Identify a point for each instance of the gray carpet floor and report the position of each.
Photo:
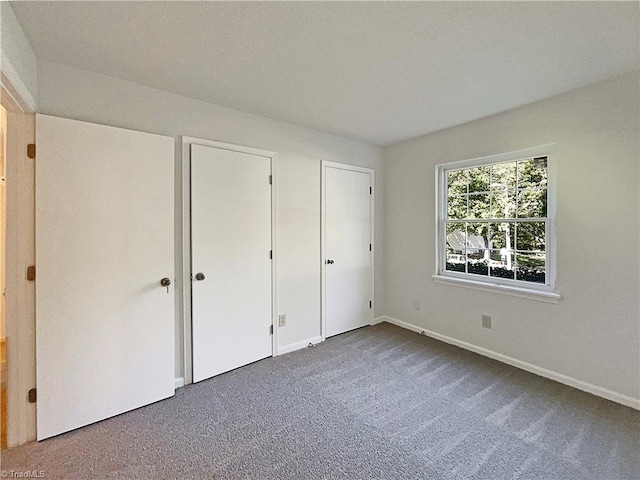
(376, 403)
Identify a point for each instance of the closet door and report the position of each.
(105, 324)
(231, 260)
(348, 247)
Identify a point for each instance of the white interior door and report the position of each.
(104, 240)
(231, 265)
(348, 248)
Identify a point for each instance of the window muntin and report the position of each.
(494, 224)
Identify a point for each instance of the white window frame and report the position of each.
(547, 292)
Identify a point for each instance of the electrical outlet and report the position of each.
(486, 321)
(417, 305)
(282, 320)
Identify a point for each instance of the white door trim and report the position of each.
(185, 241)
(324, 165)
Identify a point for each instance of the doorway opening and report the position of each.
(17, 271)
(3, 305)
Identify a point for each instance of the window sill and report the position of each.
(528, 293)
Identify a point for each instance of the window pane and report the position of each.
(532, 173)
(477, 236)
(503, 203)
(530, 267)
(477, 253)
(531, 236)
(532, 203)
(479, 179)
(455, 261)
(456, 237)
(457, 181)
(501, 264)
(476, 262)
(457, 206)
(502, 235)
(503, 175)
(479, 206)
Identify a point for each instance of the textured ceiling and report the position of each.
(380, 72)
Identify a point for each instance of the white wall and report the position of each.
(593, 335)
(17, 60)
(81, 95)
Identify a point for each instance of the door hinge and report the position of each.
(370, 190)
(369, 247)
(270, 329)
(31, 150)
(32, 395)
(270, 254)
(370, 304)
(31, 273)
(270, 179)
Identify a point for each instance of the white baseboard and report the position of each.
(179, 382)
(292, 347)
(558, 377)
(379, 319)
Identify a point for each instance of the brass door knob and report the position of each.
(200, 276)
(165, 282)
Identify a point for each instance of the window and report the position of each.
(495, 223)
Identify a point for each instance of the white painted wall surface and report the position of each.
(593, 335)
(17, 59)
(82, 95)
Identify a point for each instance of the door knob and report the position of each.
(200, 276)
(165, 282)
(330, 262)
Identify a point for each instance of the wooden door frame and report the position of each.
(184, 242)
(323, 230)
(20, 252)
